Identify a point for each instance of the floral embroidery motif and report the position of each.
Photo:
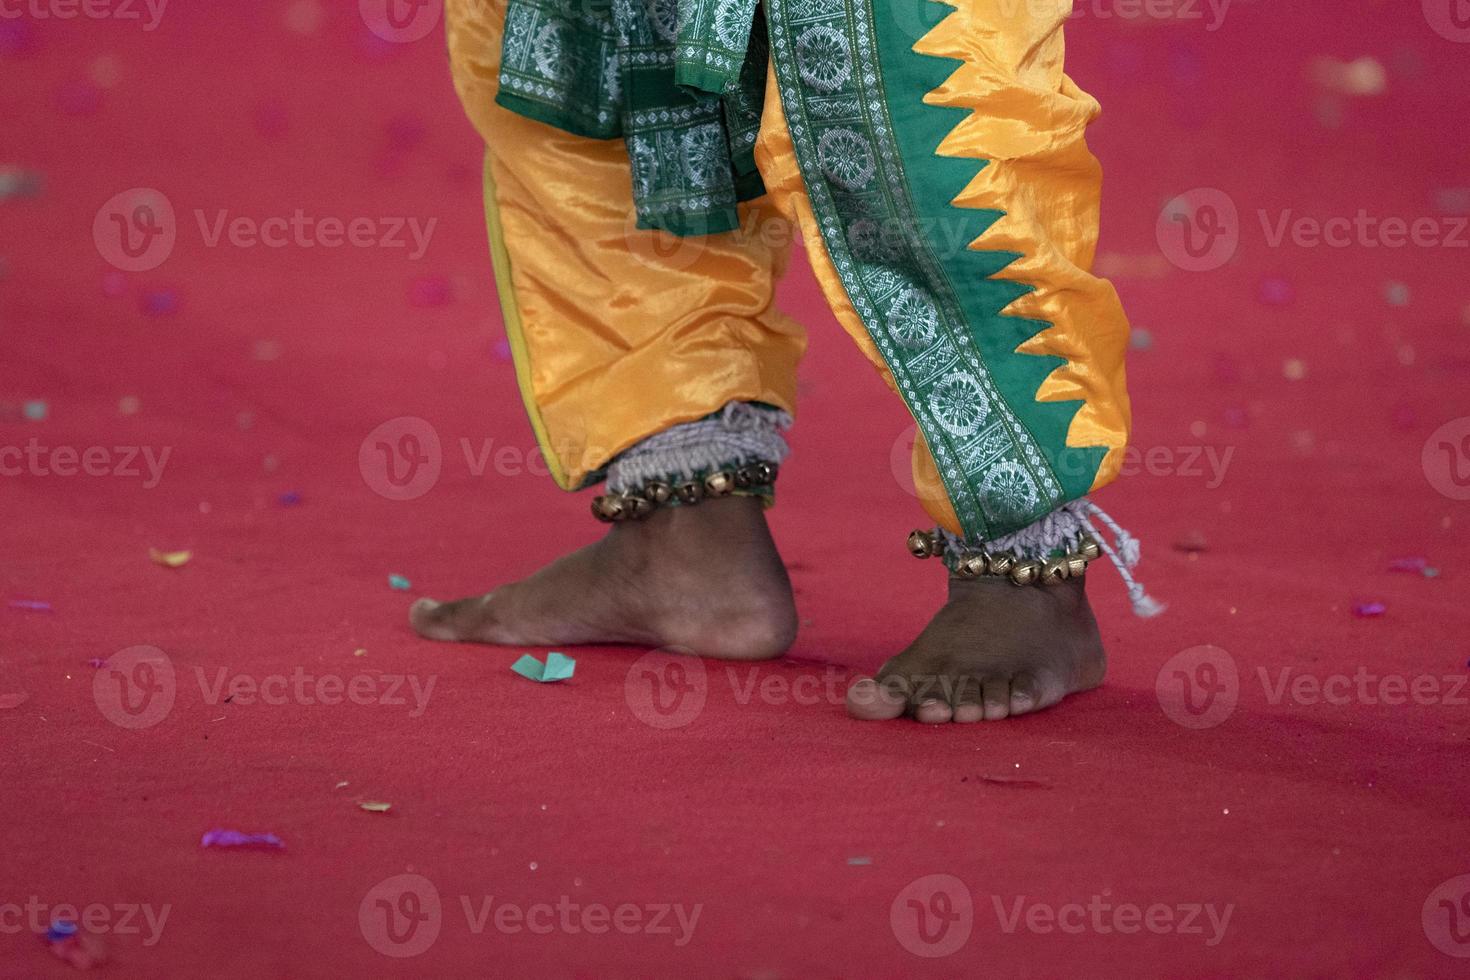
(846, 158)
(825, 62)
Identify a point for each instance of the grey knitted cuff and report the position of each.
(739, 433)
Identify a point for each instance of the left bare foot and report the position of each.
(994, 650)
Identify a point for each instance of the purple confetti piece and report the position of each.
(160, 302)
(96, 663)
(234, 838)
(34, 605)
(500, 350)
(1416, 565)
(428, 291)
(290, 498)
(406, 132)
(79, 99)
(16, 37)
(1369, 610)
(1276, 291)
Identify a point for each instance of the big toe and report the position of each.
(870, 701)
(442, 620)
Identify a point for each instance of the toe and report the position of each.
(933, 712)
(871, 701)
(968, 708)
(997, 698)
(969, 713)
(1025, 695)
(427, 619)
(445, 620)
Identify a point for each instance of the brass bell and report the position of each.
(608, 508)
(636, 508)
(971, 567)
(689, 493)
(1076, 566)
(1054, 571)
(760, 474)
(921, 544)
(1026, 572)
(720, 484)
(1089, 548)
(657, 492)
(1002, 562)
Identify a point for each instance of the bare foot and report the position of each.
(993, 651)
(705, 577)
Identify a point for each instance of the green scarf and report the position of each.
(680, 81)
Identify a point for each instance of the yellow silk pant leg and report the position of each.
(1028, 120)
(617, 333)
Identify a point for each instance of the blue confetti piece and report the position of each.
(399, 582)
(36, 410)
(1396, 293)
(558, 667)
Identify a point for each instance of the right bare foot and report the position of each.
(705, 577)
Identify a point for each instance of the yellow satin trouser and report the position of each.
(618, 333)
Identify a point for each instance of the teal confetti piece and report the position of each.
(399, 582)
(558, 667)
(36, 410)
